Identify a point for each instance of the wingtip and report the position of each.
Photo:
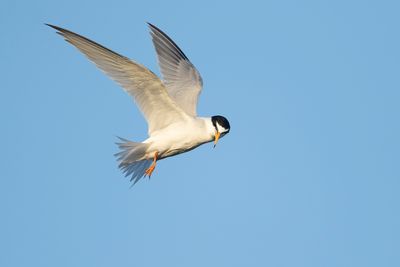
(52, 26)
(59, 30)
(153, 27)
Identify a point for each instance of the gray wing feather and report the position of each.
(181, 78)
(143, 85)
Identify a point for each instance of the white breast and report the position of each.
(179, 137)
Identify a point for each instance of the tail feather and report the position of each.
(132, 159)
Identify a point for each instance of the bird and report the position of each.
(168, 104)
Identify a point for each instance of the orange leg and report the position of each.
(150, 170)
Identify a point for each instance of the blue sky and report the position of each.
(308, 175)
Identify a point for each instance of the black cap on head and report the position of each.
(222, 121)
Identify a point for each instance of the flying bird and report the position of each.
(168, 105)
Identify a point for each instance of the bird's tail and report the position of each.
(132, 159)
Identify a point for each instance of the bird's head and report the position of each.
(221, 126)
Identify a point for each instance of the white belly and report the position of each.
(177, 138)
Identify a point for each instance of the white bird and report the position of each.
(169, 106)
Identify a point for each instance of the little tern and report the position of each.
(168, 105)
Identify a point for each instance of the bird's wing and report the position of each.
(181, 78)
(143, 85)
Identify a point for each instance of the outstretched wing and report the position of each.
(143, 85)
(181, 78)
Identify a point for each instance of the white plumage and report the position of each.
(169, 106)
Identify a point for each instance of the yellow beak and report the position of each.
(217, 135)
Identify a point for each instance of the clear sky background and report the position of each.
(308, 176)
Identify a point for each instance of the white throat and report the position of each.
(209, 126)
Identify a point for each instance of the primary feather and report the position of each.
(181, 78)
(143, 85)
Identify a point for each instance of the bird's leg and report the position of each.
(150, 170)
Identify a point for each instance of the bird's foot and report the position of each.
(150, 170)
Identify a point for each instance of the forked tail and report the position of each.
(132, 159)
